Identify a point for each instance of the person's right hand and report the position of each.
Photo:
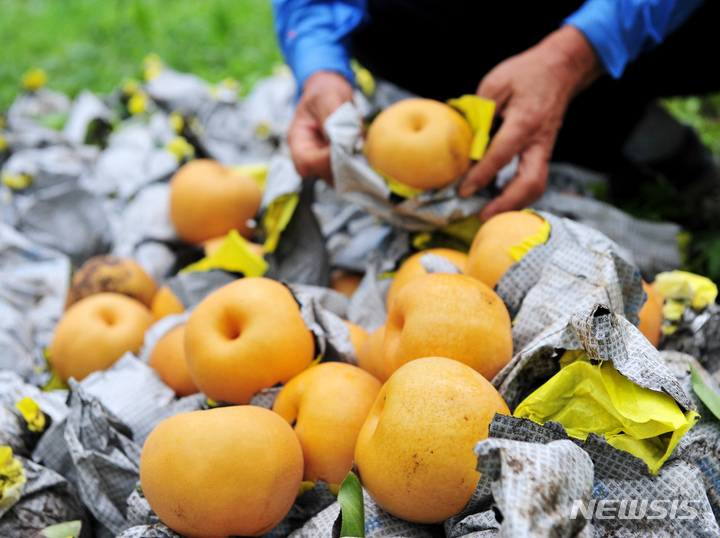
(322, 94)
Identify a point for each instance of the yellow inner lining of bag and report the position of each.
(538, 238)
(698, 290)
(399, 188)
(32, 414)
(233, 255)
(479, 113)
(16, 182)
(34, 79)
(257, 171)
(595, 398)
(12, 479)
(276, 218)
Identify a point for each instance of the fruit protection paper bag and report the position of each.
(677, 453)
(142, 230)
(213, 116)
(559, 472)
(34, 497)
(586, 397)
(378, 524)
(603, 336)
(577, 267)
(611, 491)
(701, 445)
(89, 444)
(34, 281)
(652, 246)
(697, 333)
(290, 231)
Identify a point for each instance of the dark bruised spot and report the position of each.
(416, 467)
(106, 283)
(466, 418)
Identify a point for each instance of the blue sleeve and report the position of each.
(621, 30)
(314, 35)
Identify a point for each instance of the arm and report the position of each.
(621, 30)
(532, 92)
(314, 37)
(533, 89)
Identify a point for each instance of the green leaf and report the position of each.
(709, 397)
(352, 507)
(69, 529)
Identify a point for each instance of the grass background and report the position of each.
(96, 44)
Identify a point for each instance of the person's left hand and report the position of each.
(532, 92)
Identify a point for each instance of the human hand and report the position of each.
(322, 94)
(532, 92)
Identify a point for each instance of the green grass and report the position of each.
(95, 44)
(703, 113)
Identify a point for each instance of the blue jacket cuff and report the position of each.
(595, 21)
(308, 56)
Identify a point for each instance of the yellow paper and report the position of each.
(363, 79)
(130, 86)
(177, 122)
(138, 103)
(55, 382)
(672, 309)
(422, 241)
(16, 182)
(257, 171)
(305, 487)
(152, 65)
(538, 238)
(465, 230)
(277, 217)
(34, 79)
(595, 398)
(12, 479)
(479, 113)
(400, 188)
(32, 414)
(233, 255)
(180, 148)
(684, 286)
(457, 235)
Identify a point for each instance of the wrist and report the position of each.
(575, 56)
(326, 79)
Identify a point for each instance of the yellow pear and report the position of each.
(328, 403)
(415, 453)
